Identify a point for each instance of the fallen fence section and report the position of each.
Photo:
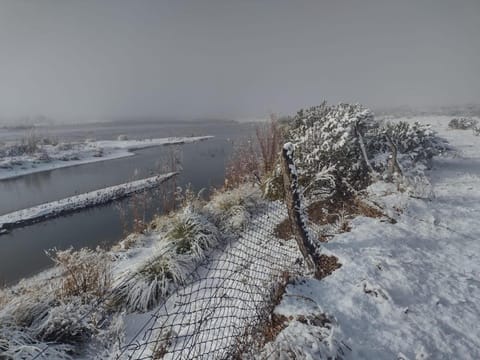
(221, 309)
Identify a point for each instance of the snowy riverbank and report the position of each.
(196, 281)
(50, 157)
(407, 290)
(90, 199)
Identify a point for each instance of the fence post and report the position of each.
(294, 206)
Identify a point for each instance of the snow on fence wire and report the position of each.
(221, 310)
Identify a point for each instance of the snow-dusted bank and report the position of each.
(50, 157)
(408, 290)
(193, 284)
(74, 203)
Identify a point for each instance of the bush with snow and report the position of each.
(232, 210)
(122, 137)
(33, 318)
(462, 123)
(340, 149)
(85, 273)
(184, 241)
(476, 130)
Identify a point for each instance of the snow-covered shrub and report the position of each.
(416, 141)
(340, 149)
(337, 138)
(417, 186)
(272, 184)
(186, 238)
(30, 143)
(33, 317)
(476, 130)
(192, 233)
(85, 272)
(64, 323)
(187, 197)
(15, 343)
(141, 288)
(43, 156)
(232, 210)
(122, 137)
(98, 152)
(48, 140)
(64, 146)
(462, 123)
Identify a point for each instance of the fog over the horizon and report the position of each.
(223, 58)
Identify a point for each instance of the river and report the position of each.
(23, 251)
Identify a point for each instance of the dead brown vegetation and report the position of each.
(328, 211)
(269, 138)
(326, 265)
(255, 157)
(332, 211)
(84, 272)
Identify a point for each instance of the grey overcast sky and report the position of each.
(233, 58)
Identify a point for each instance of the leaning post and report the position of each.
(295, 210)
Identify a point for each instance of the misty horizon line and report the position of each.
(470, 108)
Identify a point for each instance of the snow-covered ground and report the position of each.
(406, 290)
(230, 291)
(77, 202)
(409, 290)
(51, 157)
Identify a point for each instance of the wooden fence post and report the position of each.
(293, 201)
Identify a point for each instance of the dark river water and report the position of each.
(22, 251)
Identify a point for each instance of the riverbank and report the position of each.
(44, 157)
(78, 202)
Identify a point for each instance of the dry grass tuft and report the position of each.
(366, 209)
(243, 165)
(86, 272)
(256, 157)
(269, 138)
(332, 210)
(276, 325)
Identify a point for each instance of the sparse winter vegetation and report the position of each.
(462, 123)
(356, 173)
(341, 149)
(34, 153)
(85, 272)
(257, 156)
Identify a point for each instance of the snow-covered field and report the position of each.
(51, 157)
(77, 202)
(409, 290)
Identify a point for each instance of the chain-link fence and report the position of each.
(227, 298)
(222, 309)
